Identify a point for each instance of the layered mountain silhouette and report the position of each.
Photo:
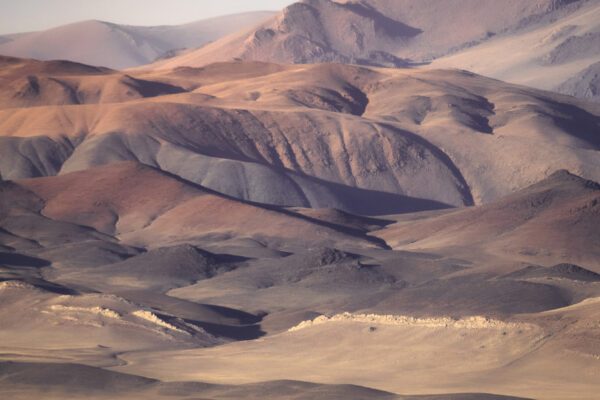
(373, 32)
(560, 38)
(122, 46)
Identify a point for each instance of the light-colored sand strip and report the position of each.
(473, 322)
(151, 317)
(14, 284)
(105, 312)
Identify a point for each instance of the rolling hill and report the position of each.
(324, 135)
(109, 265)
(535, 223)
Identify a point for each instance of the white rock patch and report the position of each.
(473, 322)
(105, 312)
(151, 317)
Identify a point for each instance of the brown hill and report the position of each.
(30, 83)
(555, 220)
(362, 140)
(167, 309)
(148, 207)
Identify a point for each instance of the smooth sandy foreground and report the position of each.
(396, 354)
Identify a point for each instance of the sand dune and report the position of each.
(122, 46)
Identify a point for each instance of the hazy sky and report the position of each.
(33, 15)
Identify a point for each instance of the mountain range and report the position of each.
(343, 200)
(549, 42)
(122, 46)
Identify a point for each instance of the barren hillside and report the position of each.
(311, 136)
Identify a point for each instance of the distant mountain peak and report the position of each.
(117, 46)
(564, 176)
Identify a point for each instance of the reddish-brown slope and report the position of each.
(554, 220)
(149, 207)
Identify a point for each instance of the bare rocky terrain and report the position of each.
(112, 277)
(540, 43)
(556, 51)
(584, 85)
(407, 140)
(547, 44)
(312, 227)
(375, 32)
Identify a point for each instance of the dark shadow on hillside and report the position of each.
(21, 260)
(45, 285)
(383, 25)
(576, 121)
(248, 332)
(373, 202)
(242, 316)
(379, 58)
(564, 271)
(151, 88)
(234, 332)
(465, 189)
